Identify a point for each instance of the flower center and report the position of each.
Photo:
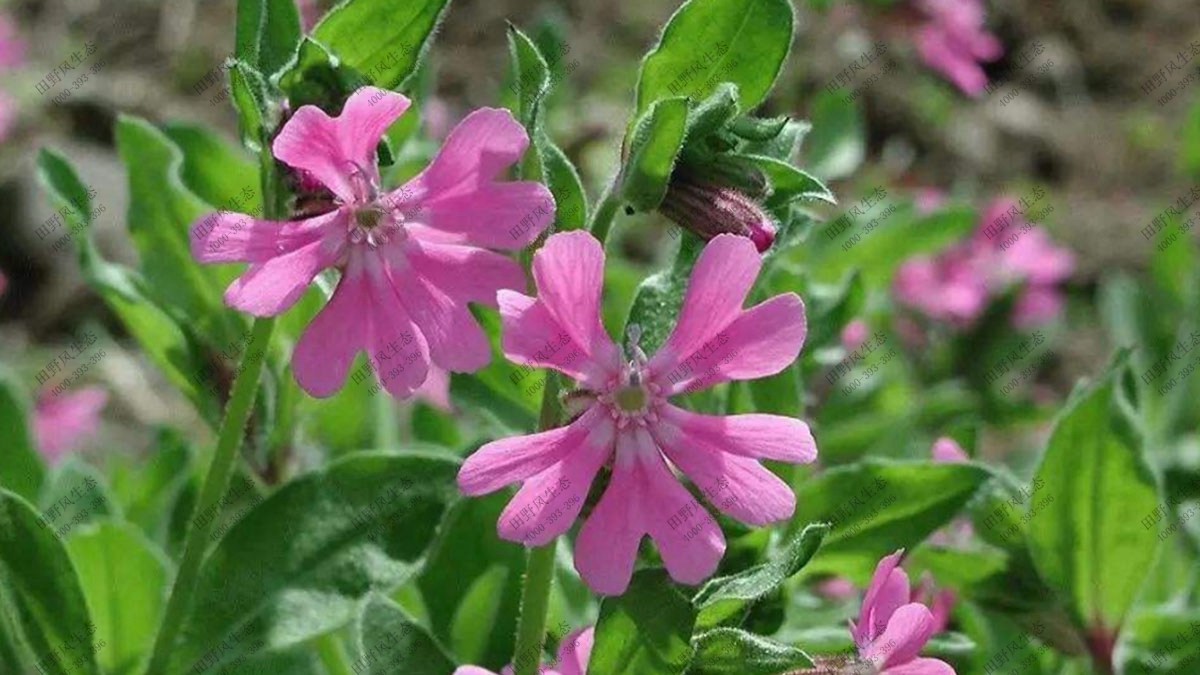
(630, 399)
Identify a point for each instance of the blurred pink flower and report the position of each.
(12, 47)
(410, 259)
(928, 199)
(947, 450)
(436, 118)
(853, 334)
(61, 422)
(436, 389)
(629, 423)
(574, 653)
(310, 13)
(958, 533)
(956, 285)
(836, 588)
(953, 41)
(892, 627)
(3, 282)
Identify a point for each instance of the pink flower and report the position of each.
(629, 425)
(61, 422)
(310, 13)
(954, 41)
(410, 259)
(574, 653)
(12, 47)
(835, 588)
(956, 285)
(853, 334)
(436, 390)
(892, 628)
(3, 282)
(928, 199)
(947, 288)
(946, 450)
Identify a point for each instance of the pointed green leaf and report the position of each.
(40, 596)
(387, 640)
(298, 564)
(267, 33)
(1094, 536)
(655, 145)
(22, 470)
(124, 578)
(708, 42)
(730, 651)
(646, 631)
(383, 39)
(726, 597)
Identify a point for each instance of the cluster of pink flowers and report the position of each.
(956, 285)
(412, 258)
(953, 41)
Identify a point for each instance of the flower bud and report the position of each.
(709, 209)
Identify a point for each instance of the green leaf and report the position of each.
(646, 631)
(80, 493)
(877, 507)
(40, 597)
(714, 112)
(22, 470)
(267, 33)
(838, 141)
(1090, 542)
(467, 559)
(708, 42)
(383, 39)
(512, 393)
(1161, 641)
(215, 170)
(387, 640)
(253, 99)
(170, 344)
(788, 183)
(318, 78)
(299, 563)
(726, 597)
(124, 579)
(161, 209)
(656, 142)
(659, 298)
(730, 651)
(881, 251)
(146, 488)
(531, 84)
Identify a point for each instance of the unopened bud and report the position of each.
(709, 209)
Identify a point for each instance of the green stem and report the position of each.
(229, 441)
(535, 601)
(539, 566)
(604, 214)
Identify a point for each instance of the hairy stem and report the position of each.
(229, 441)
(606, 211)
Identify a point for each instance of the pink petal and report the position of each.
(340, 151)
(756, 436)
(1037, 305)
(548, 503)
(516, 458)
(642, 498)
(761, 341)
(364, 313)
(472, 670)
(458, 194)
(921, 667)
(236, 237)
(717, 288)
(533, 336)
(954, 61)
(436, 390)
(575, 651)
(909, 628)
(61, 423)
(887, 590)
(947, 450)
(456, 341)
(737, 486)
(569, 273)
(464, 273)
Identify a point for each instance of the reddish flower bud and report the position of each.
(709, 209)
